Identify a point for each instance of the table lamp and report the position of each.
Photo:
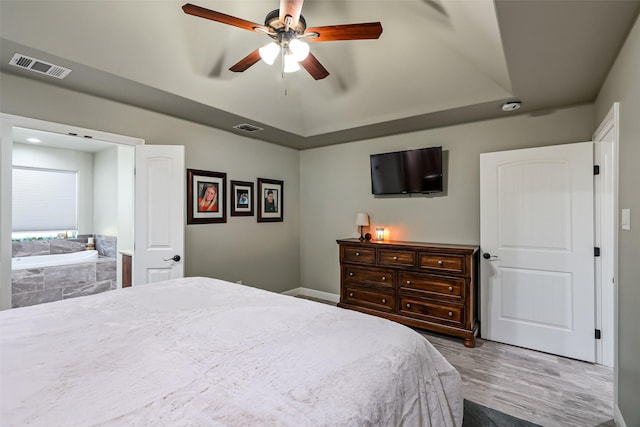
(362, 220)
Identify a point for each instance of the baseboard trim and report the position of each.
(327, 296)
(617, 417)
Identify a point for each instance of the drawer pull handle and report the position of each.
(351, 294)
(440, 263)
(408, 305)
(451, 314)
(351, 273)
(357, 253)
(395, 258)
(384, 301)
(408, 282)
(450, 288)
(384, 278)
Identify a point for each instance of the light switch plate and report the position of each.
(625, 221)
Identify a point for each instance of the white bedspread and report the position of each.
(204, 352)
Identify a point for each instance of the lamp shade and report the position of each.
(362, 219)
(299, 50)
(269, 52)
(290, 64)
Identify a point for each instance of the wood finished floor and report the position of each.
(538, 387)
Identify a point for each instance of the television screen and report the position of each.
(411, 171)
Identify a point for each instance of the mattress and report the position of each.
(205, 352)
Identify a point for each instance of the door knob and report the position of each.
(175, 258)
(487, 255)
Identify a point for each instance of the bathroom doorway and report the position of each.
(104, 164)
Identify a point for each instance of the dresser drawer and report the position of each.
(396, 258)
(432, 285)
(431, 311)
(369, 276)
(358, 254)
(368, 298)
(442, 262)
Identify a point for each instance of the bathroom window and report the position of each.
(45, 202)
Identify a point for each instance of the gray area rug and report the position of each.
(476, 415)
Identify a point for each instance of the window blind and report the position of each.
(44, 200)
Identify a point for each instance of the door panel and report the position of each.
(537, 231)
(159, 222)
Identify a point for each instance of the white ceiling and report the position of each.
(436, 62)
(57, 140)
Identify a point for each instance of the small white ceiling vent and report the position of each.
(41, 67)
(246, 127)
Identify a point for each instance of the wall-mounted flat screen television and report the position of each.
(410, 171)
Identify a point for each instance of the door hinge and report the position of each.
(596, 251)
(598, 334)
(596, 169)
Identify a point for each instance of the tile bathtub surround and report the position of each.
(106, 245)
(41, 285)
(47, 247)
(66, 246)
(30, 248)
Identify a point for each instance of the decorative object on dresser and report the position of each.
(430, 286)
(362, 220)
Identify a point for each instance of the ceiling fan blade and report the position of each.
(246, 62)
(367, 30)
(314, 67)
(292, 8)
(192, 9)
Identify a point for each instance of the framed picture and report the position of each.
(270, 200)
(241, 198)
(206, 197)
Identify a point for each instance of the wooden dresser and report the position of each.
(424, 285)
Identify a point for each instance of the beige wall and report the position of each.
(335, 185)
(264, 255)
(623, 85)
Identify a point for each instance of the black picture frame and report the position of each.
(199, 183)
(270, 211)
(241, 198)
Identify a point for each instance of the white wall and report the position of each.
(54, 158)
(105, 190)
(264, 255)
(335, 185)
(623, 85)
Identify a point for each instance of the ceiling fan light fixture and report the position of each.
(269, 52)
(290, 64)
(299, 49)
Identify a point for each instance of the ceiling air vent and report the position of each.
(41, 67)
(246, 127)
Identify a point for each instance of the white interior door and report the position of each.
(159, 213)
(536, 234)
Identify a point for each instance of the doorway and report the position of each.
(71, 140)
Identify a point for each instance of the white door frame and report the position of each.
(7, 123)
(606, 235)
(606, 316)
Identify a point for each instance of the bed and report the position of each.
(205, 352)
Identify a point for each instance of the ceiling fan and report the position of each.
(288, 29)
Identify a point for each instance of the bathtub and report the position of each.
(41, 261)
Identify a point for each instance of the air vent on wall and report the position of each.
(42, 67)
(245, 127)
